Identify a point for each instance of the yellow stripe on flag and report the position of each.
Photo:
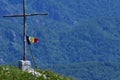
(31, 39)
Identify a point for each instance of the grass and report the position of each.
(12, 73)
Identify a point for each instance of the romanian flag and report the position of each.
(31, 40)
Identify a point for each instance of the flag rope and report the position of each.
(33, 59)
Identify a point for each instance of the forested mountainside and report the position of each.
(74, 32)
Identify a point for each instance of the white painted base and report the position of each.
(24, 65)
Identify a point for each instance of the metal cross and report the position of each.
(24, 15)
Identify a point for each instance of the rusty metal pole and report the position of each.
(24, 31)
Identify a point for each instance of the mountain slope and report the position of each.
(11, 73)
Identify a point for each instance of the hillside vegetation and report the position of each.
(12, 73)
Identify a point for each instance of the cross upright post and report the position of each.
(24, 39)
(24, 15)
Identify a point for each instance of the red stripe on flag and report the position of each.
(35, 40)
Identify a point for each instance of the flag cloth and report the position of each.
(31, 40)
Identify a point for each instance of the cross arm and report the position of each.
(22, 15)
(37, 14)
(14, 15)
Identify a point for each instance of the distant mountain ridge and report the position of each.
(73, 32)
